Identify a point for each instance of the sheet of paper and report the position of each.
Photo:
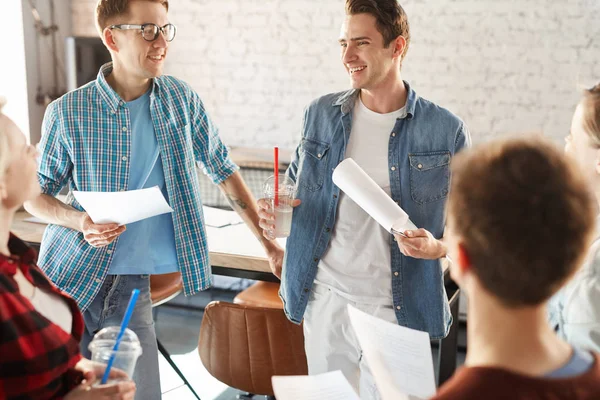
(363, 190)
(399, 358)
(218, 218)
(123, 207)
(328, 386)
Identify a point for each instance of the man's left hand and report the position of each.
(420, 243)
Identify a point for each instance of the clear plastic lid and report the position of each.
(105, 340)
(287, 187)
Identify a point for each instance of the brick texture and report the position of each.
(504, 66)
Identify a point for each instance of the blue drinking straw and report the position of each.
(134, 295)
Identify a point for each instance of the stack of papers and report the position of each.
(399, 358)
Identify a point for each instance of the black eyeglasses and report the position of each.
(150, 31)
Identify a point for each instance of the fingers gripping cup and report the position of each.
(127, 354)
(281, 198)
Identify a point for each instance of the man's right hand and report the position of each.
(267, 216)
(99, 235)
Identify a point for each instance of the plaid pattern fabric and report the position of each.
(36, 356)
(86, 145)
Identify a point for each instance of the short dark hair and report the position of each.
(108, 9)
(524, 214)
(391, 18)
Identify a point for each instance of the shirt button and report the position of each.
(396, 274)
(98, 280)
(319, 155)
(114, 111)
(124, 158)
(393, 134)
(124, 129)
(393, 168)
(420, 166)
(109, 251)
(305, 290)
(316, 259)
(398, 307)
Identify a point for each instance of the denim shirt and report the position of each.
(419, 152)
(575, 310)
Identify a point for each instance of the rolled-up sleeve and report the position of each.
(55, 163)
(209, 150)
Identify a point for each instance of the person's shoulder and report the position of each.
(432, 110)
(73, 99)
(474, 384)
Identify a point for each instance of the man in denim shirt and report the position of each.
(336, 254)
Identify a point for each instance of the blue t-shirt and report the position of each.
(147, 246)
(579, 364)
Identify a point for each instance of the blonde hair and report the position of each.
(591, 112)
(3, 141)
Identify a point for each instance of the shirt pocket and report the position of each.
(313, 164)
(429, 176)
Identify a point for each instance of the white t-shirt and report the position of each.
(357, 263)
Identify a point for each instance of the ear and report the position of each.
(109, 40)
(399, 46)
(462, 265)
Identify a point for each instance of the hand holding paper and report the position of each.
(363, 190)
(123, 207)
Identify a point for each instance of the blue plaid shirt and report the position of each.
(86, 145)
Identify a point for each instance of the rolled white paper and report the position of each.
(363, 190)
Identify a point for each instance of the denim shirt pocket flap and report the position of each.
(429, 176)
(313, 164)
(427, 161)
(314, 148)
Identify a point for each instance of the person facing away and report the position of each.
(519, 220)
(40, 326)
(132, 128)
(336, 254)
(575, 310)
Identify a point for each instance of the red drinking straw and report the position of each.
(276, 173)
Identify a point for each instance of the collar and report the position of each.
(20, 254)
(108, 94)
(347, 99)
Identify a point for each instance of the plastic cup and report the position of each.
(283, 209)
(125, 358)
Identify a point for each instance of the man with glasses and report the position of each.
(132, 128)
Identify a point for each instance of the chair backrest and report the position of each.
(244, 346)
(164, 287)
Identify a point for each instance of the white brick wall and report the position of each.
(502, 65)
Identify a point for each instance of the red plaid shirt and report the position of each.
(37, 357)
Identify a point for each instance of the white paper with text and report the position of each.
(327, 386)
(399, 358)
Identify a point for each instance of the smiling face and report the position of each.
(18, 177)
(367, 61)
(138, 58)
(582, 149)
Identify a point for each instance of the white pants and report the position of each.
(330, 342)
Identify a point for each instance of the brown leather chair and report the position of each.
(244, 346)
(260, 294)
